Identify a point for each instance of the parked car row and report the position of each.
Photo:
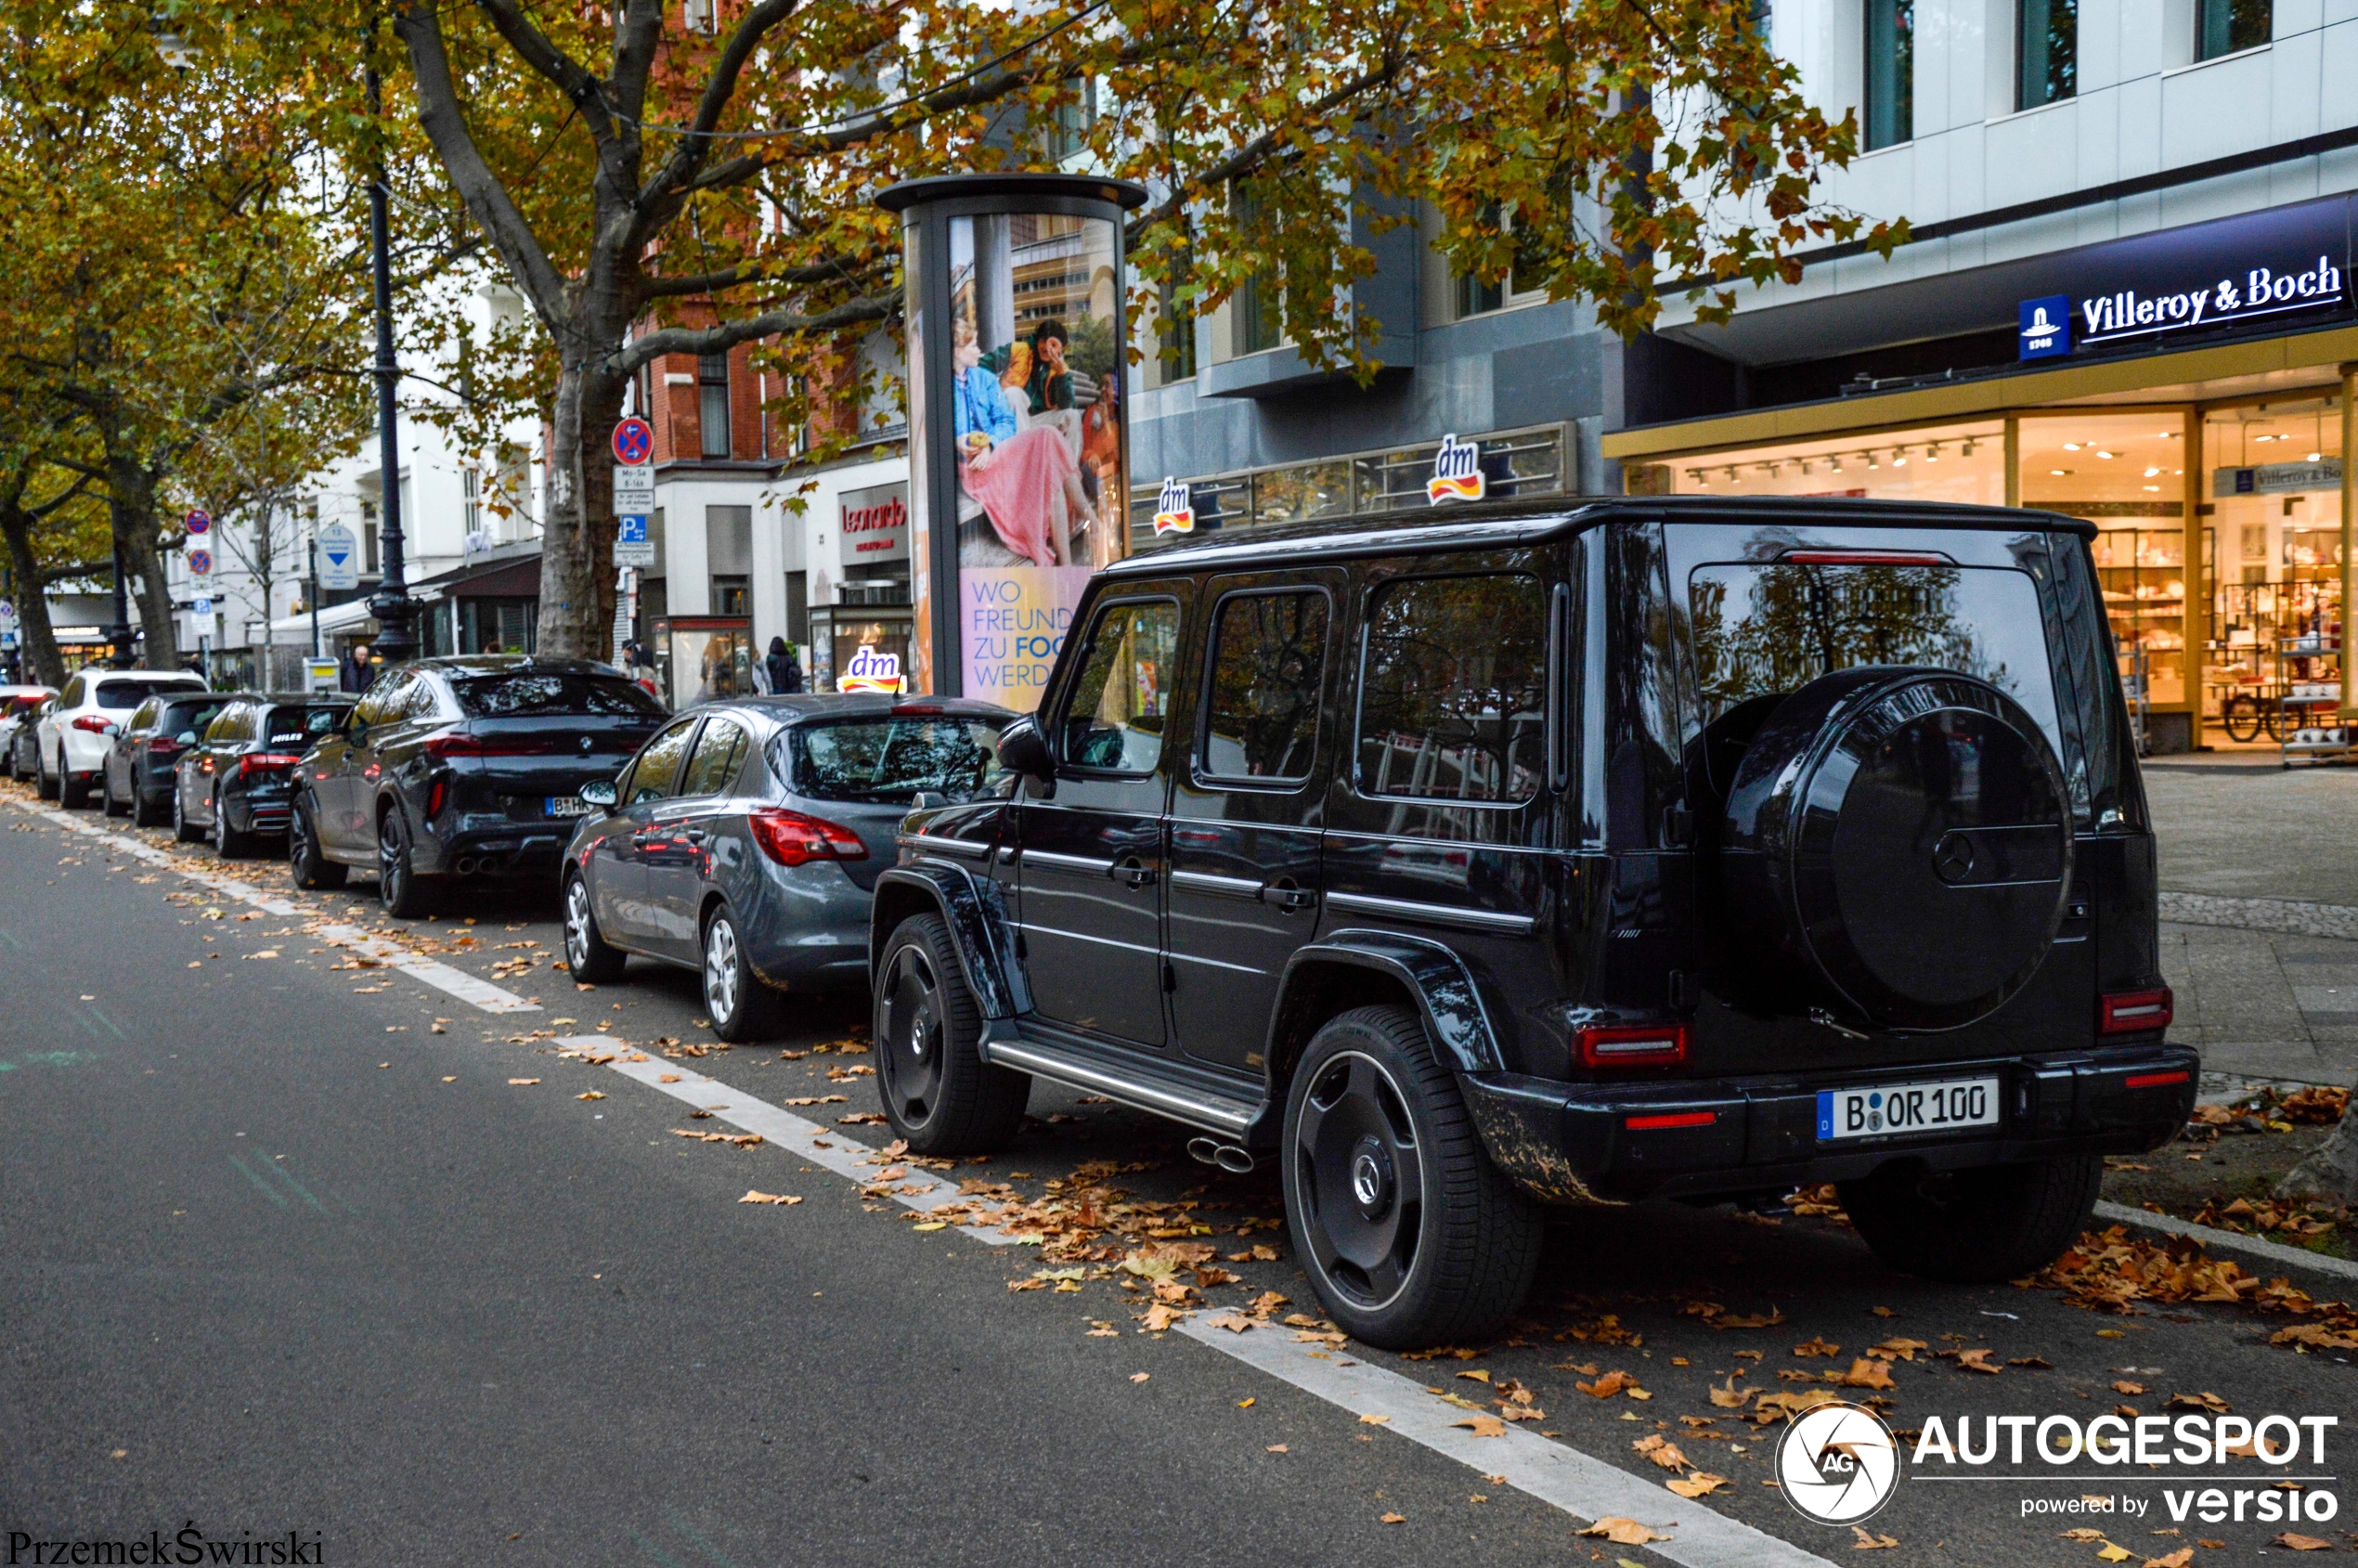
(1532, 855)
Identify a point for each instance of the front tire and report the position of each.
(307, 867)
(45, 786)
(1411, 1236)
(74, 791)
(587, 956)
(1995, 1222)
(107, 804)
(183, 829)
(743, 1008)
(404, 894)
(938, 1091)
(143, 813)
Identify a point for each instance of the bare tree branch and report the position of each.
(727, 334)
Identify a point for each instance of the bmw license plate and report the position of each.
(567, 806)
(1883, 1109)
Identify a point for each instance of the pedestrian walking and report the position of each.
(785, 673)
(358, 672)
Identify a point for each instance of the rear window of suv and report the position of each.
(1762, 629)
(300, 725)
(541, 694)
(890, 759)
(131, 693)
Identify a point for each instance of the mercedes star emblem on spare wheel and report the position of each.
(1952, 857)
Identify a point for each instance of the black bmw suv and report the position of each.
(1636, 848)
(463, 766)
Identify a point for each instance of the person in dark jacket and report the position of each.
(358, 674)
(785, 673)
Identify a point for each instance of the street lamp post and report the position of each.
(118, 633)
(396, 641)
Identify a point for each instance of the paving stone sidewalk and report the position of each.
(2260, 918)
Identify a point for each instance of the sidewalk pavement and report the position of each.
(2260, 918)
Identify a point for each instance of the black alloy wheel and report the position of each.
(73, 790)
(306, 865)
(938, 1091)
(227, 842)
(143, 810)
(744, 1007)
(183, 829)
(404, 894)
(587, 956)
(1412, 1235)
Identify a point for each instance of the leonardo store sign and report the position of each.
(2285, 263)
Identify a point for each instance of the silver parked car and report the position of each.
(745, 838)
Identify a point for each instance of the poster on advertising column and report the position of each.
(1036, 367)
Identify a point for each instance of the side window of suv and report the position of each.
(1267, 672)
(72, 696)
(1453, 694)
(1114, 721)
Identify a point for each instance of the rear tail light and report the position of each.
(2134, 1012)
(1671, 1119)
(1866, 558)
(1634, 1045)
(163, 749)
(791, 838)
(266, 762)
(94, 722)
(2155, 1080)
(435, 793)
(918, 710)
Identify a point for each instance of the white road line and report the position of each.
(474, 992)
(2228, 1240)
(805, 1140)
(1559, 1476)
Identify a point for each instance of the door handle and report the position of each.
(1288, 897)
(1133, 874)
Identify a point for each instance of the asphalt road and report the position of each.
(276, 1255)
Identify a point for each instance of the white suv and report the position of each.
(71, 744)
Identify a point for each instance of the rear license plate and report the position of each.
(1883, 1110)
(567, 806)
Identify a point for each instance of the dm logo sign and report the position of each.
(870, 671)
(1837, 1463)
(1175, 513)
(2046, 327)
(1457, 473)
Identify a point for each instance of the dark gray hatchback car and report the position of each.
(744, 840)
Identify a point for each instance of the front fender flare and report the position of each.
(977, 916)
(1455, 1020)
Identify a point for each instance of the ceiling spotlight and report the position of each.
(2071, 445)
(1731, 475)
(2154, 489)
(2312, 457)
(1932, 453)
(1833, 462)
(2151, 472)
(2101, 453)
(1871, 460)
(2060, 472)
(1968, 448)
(1805, 466)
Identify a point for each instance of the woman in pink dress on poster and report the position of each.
(1026, 481)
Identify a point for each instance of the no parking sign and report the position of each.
(199, 563)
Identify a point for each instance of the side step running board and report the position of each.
(1188, 1103)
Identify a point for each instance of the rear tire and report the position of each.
(744, 1007)
(73, 793)
(143, 811)
(404, 894)
(107, 804)
(588, 957)
(45, 786)
(227, 842)
(183, 829)
(1995, 1222)
(938, 1091)
(1410, 1236)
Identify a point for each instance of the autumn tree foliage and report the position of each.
(661, 178)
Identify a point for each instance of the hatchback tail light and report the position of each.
(1634, 1045)
(2134, 1012)
(266, 762)
(163, 749)
(791, 838)
(95, 722)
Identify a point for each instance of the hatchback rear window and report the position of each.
(127, 694)
(1767, 629)
(547, 693)
(891, 760)
(300, 726)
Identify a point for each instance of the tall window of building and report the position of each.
(1891, 72)
(1476, 295)
(1176, 323)
(369, 537)
(1258, 304)
(470, 494)
(712, 408)
(2223, 27)
(1074, 119)
(2046, 51)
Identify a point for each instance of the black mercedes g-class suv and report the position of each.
(1644, 848)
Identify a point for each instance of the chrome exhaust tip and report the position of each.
(1205, 1149)
(1228, 1157)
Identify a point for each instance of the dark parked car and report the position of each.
(137, 776)
(236, 783)
(463, 766)
(744, 840)
(1649, 848)
(19, 710)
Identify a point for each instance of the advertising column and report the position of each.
(1018, 455)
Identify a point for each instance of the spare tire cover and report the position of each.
(1904, 834)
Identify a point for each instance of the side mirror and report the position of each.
(1023, 750)
(599, 793)
(928, 800)
(186, 737)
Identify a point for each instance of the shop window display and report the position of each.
(1962, 463)
(2126, 474)
(2273, 499)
